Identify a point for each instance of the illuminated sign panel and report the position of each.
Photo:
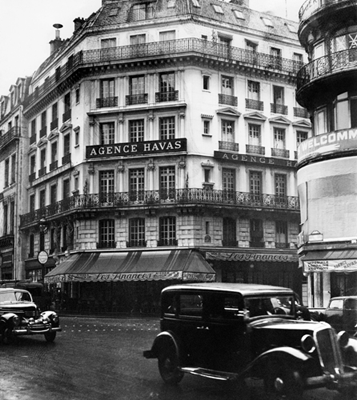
(136, 148)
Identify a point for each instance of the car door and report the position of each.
(334, 313)
(350, 314)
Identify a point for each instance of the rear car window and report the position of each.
(336, 304)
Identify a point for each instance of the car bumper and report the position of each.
(28, 330)
(333, 382)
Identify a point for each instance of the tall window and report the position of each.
(301, 136)
(42, 198)
(136, 184)
(227, 131)
(167, 128)
(254, 134)
(5, 218)
(280, 189)
(43, 159)
(320, 121)
(279, 138)
(256, 233)
(167, 183)
(254, 90)
(33, 127)
(53, 152)
(107, 88)
(66, 189)
(137, 85)
(137, 39)
(54, 112)
(107, 233)
(167, 35)
(141, 11)
(136, 130)
(13, 168)
(229, 232)
(7, 171)
(278, 95)
(255, 186)
(227, 85)
(53, 194)
(229, 183)
(31, 245)
(67, 102)
(32, 164)
(137, 232)
(106, 43)
(32, 203)
(167, 231)
(106, 186)
(167, 82)
(12, 216)
(66, 144)
(281, 234)
(107, 133)
(276, 57)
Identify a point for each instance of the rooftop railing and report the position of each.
(178, 197)
(11, 134)
(201, 47)
(312, 6)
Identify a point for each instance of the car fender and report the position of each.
(51, 316)
(163, 339)
(349, 352)
(7, 317)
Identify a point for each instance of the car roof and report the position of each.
(343, 297)
(7, 290)
(243, 288)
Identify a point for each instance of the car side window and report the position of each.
(351, 304)
(191, 305)
(336, 304)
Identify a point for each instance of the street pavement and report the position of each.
(101, 358)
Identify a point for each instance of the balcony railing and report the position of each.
(280, 153)
(312, 6)
(66, 159)
(228, 99)
(54, 124)
(43, 132)
(254, 104)
(66, 115)
(254, 149)
(132, 99)
(166, 96)
(14, 132)
(42, 171)
(151, 198)
(333, 63)
(228, 146)
(33, 139)
(54, 165)
(32, 177)
(278, 108)
(300, 112)
(199, 47)
(107, 102)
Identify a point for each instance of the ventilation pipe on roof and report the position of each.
(57, 42)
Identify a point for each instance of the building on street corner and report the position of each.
(327, 162)
(162, 147)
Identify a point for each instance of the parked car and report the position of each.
(341, 314)
(233, 331)
(19, 315)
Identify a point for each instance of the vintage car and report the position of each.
(341, 314)
(19, 315)
(234, 331)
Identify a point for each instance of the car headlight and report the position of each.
(16, 320)
(308, 344)
(343, 338)
(55, 318)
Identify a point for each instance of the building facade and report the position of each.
(327, 162)
(13, 147)
(163, 146)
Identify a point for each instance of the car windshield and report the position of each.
(9, 297)
(270, 305)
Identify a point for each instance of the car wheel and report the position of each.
(282, 381)
(50, 336)
(169, 366)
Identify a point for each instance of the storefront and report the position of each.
(123, 281)
(269, 267)
(330, 273)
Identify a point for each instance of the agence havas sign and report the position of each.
(136, 148)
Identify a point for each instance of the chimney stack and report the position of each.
(57, 42)
(78, 22)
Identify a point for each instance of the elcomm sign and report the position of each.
(136, 148)
(328, 143)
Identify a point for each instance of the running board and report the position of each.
(208, 373)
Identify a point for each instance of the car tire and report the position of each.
(50, 336)
(169, 366)
(282, 381)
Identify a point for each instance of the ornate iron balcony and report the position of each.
(133, 99)
(66, 159)
(280, 153)
(54, 165)
(254, 149)
(66, 115)
(42, 171)
(107, 102)
(13, 133)
(278, 108)
(54, 124)
(300, 112)
(228, 99)
(166, 96)
(151, 198)
(228, 146)
(254, 104)
(312, 6)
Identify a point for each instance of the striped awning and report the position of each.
(331, 261)
(183, 265)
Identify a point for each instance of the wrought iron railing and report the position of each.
(43, 131)
(254, 104)
(312, 6)
(66, 159)
(329, 64)
(301, 112)
(14, 132)
(166, 96)
(54, 165)
(280, 153)
(154, 197)
(228, 99)
(197, 46)
(132, 99)
(42, 171)
(278, 108)
(33, 139)
(254, 149)
(228, 146)
(66, 115)
(107, 102)
(54, 124)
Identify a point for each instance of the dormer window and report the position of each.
(218, 9)
(268, 22)
(238, 14)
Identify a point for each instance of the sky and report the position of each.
(26, 28)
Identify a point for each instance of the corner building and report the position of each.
(327, 162)
(163, 145)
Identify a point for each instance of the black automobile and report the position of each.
(234, 331)
(19, 315)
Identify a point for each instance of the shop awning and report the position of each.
(183, 265)
(331, 261)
